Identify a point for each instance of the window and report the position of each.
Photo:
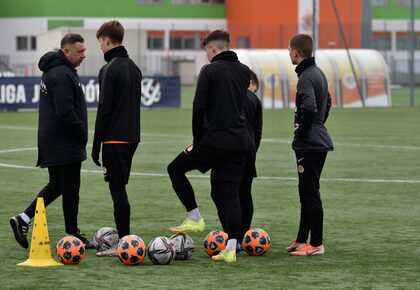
(404, 41)
(21, 43)
(380, 3)
(243, 42)
(33, 43)
(25, 43)
(186, 39)
(381, 40)
(155, 39)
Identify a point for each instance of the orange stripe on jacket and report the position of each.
(116, 142)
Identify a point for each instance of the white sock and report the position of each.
(231, 245)
(194, 214)
(25, 217)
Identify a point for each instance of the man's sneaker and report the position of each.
(20, 229)
(189, 226)
(111, 252)
(239, 247)
(309, 250)
(295, 247)
(80, 236)
(228, 257)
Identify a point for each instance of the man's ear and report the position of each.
(66, 51)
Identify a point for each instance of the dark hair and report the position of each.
(113, 30)
(217, 35)
(303, 44)
(70, 39)
(254, 78)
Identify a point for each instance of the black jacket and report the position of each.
(118, 115)
(313, 102)
(254, 120)
(218, 107)
(62, 126)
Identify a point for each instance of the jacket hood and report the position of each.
(51, 59)
(228, 55)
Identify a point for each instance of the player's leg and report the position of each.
(69, 179)
(229, 173)
(20, 223)
(247, 205)
(117, 159)
(218, 199)
(309, 174)
(197, 156)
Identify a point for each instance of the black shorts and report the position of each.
(117, 160)
(227, 165)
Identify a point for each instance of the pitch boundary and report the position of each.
(283, 178)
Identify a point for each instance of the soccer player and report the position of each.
(219, 138)
(311, 144)
(62, 136)
(254, 122)
(117, 125)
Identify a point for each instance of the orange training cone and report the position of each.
(40, 251)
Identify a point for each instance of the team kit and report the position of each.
(227, 120)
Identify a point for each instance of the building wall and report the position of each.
(108, 9)
(271, 23)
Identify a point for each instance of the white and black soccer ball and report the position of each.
(184, 246)
(105, 238)
(161, 251)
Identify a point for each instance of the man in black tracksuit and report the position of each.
(220, 141)
(62, 135)
(117, 124)
(311, 144)
(254, 122)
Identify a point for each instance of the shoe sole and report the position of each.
(316, 253)
(175, 231)
(18, 238)
(89, 246)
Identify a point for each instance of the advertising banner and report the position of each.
(20, 93)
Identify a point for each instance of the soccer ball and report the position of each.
(184, 246)
(105, 238)
(70, 250)
(215, 242)
(256, 242)
(131, 250)
(161, 251)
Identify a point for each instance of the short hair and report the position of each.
(70, 39)
(221, 37)
(254, 78)
(303, 44)
(113, 30)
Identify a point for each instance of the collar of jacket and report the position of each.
(304, 64)
(116, 51)
(228, 55)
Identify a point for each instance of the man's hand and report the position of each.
(296, 128)
(96, 149)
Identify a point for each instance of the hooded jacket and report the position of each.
(313, 103)
(62, 124)
(118, 115)
(218, 107)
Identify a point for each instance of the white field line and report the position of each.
(338, 144)
(344, 180)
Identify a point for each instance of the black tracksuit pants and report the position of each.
(63, 180)
(228, 168)
(309, 166)
(245, 200)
